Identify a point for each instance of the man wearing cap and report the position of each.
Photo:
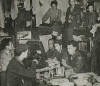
(17, 74)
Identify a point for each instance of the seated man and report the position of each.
(62, 52)
(76, 60)
(52, 52)
(53, 13)
(17, 74)
(58, 47)
(55, 50)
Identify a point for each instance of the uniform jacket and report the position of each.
(18, 75)
(78, 62)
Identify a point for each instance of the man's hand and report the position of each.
(65, 64)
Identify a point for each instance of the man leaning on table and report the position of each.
(76, 59)
(17, 74)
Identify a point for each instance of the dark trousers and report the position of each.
(3, 78)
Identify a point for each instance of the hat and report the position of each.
(20, 48)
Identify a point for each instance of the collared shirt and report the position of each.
(5, 57)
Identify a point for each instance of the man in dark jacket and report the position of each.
(52, 52)
(76, 59)
(17, 74)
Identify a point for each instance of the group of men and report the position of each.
(81, 17)
(69, 55)
(12, 68)
(13, 71)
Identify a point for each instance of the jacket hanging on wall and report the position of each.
(14, 9)
(27, 5)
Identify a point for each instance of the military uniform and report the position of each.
(18, 75)
(78, 62)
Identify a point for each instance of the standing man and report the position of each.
(17, 74)
(72, 23)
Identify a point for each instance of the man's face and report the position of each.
(58, 47)
(72, 2)
(54, 6)
(51, 44)
(71, 49)
(90, 8)
(10, 46)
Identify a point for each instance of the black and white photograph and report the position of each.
(49, 42)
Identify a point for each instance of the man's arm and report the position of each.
(21, 70)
